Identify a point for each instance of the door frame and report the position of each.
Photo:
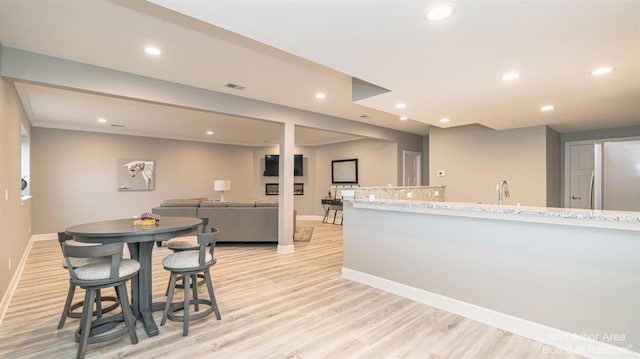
(418, 161)
(567, 161)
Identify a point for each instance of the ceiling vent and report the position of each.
(119, 126)
(235, 86)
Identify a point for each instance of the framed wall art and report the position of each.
(135, 175)
(344, 171)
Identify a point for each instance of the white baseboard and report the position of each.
(13, 284)
(285, 249)
(309, 218)
(44, 237)
(558, 341)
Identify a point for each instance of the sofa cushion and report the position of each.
(266, 204)
(213, 204)
(242, 204)
(178, 202)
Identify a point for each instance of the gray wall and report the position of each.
(304, 204)
(74, 173)
(476, 158)
(377, 163)
(15, 218)
(554, 171)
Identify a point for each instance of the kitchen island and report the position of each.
(569, 278)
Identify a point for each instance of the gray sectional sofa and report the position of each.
(252, 221)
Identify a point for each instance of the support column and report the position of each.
(285, 188)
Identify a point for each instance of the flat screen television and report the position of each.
(271, 164)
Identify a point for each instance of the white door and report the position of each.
(581, 172)
(411, 168)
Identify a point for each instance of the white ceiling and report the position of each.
(285, 51)
(64, 109)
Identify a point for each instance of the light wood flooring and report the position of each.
(273, 306)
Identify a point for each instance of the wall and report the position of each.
(15, 217)
(476, 158)
(554, 171)
(378, 164)
(74, 175)
(304, 204)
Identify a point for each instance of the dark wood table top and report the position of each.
(125, 227)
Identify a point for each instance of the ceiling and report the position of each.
(284, 52)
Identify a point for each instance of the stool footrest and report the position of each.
(177, 307)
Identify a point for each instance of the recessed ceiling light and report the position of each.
(510, 76)
(444, 120)
(401, 105)
(404, 118)
(546, 108)
(102, 120)
(439, 12)
(320, 95)
(152, 50)
(602, 71)
(209, 132)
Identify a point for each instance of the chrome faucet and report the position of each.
(503, 186)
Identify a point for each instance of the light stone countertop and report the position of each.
(567, 216)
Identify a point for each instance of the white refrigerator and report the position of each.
(616, 179)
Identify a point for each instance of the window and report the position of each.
(25, 162)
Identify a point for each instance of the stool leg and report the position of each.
(194, 285)
(126, 312)
(185, 318)
(207, 277)
(98, 304)
(171, 288)
(85, 322)
(67, 305)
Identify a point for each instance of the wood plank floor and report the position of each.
(273, 306)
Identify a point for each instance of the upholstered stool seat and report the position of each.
(185, 260)
(187, 264)
(70, 309)
(183, 243)
(93, 277)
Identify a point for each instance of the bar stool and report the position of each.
(187, 264)
(69, 307)
(188, 243)
(95, 276)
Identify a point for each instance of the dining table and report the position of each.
(140, 240)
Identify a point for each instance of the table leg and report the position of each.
(141, 286)
(326, 214)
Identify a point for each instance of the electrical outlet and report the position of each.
(409, 195)
(437, 193)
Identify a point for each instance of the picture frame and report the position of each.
(135, 175)
(344, 171)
